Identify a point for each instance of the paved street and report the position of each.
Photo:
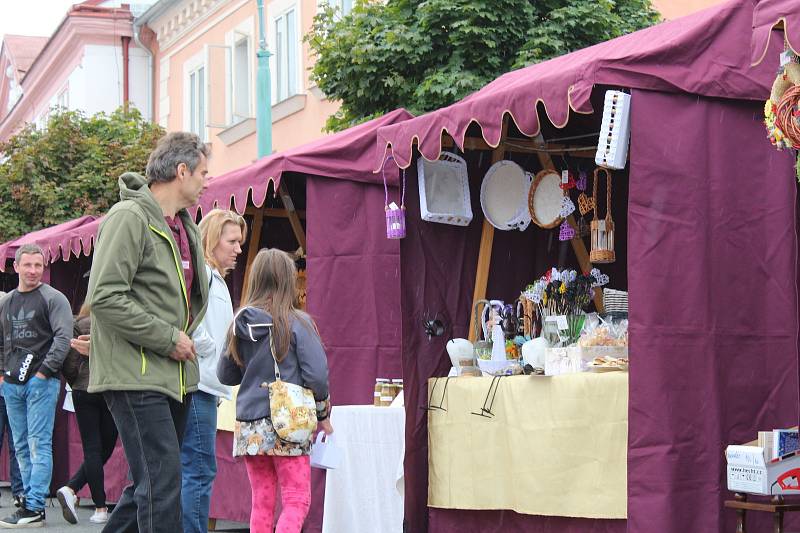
(57, 524)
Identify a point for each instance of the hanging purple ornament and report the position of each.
(566, 232)
(581, 185)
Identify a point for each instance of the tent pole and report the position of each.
(487, 239)
(294, 219)
(253, 246)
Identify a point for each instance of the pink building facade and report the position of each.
(205, 72)
(91, 63)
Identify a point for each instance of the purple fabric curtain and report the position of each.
(353, 287)
(438, 270)
(713, 303)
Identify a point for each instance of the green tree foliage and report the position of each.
(69, 169)
(423, 55)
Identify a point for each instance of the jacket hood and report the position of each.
(133, 186)
(252, 323)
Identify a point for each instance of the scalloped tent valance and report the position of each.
(345, 155)
(57, 242)
(701, 54)
(766, 16)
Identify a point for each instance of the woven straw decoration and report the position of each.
(602, 230)
(585, 203)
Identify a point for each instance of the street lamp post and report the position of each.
(263, 89)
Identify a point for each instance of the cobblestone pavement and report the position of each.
(57, 524)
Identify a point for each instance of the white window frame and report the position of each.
(340, 4)
(245, 31)
(62, 98)
(277, 10)
(191, 67)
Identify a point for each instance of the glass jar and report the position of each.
(386, 394)
(376, 396)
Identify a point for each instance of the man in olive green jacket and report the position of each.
(148, 290)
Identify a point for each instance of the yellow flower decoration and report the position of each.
(563, 288)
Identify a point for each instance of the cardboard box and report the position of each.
(750, 472)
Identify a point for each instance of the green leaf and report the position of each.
(70, 168)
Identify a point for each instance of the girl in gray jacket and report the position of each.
(270, 310)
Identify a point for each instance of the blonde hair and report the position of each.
(272, 287)
(211, 231)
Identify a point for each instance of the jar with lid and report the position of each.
(376, 397)
(386, 393)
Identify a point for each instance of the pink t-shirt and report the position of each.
(179, 232)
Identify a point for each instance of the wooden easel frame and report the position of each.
(487, 232)
(258, 214)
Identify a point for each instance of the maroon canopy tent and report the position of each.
(59, 242)
(711, 257)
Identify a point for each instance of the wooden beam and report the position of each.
(294, 219)
(522, 146)
(253, 246)
(274, 212)
(578, 246)
(487, 239)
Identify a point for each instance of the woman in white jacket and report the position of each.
(223, 233)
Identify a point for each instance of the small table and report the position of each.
(365, 494)
(776, 506)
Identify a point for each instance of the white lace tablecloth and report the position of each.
(365, 494)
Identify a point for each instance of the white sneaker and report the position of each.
(99, 517)
(67, 499)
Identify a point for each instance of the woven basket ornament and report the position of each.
(585, 203)
(395, 216)
(781, 110)
(544, 199)
(602, 230)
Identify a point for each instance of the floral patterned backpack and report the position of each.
(292, 408)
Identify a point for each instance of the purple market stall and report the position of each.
(352, 280)
(706, 248)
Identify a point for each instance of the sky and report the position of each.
(32, 17)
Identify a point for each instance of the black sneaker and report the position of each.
(22, 519)
(19, 500)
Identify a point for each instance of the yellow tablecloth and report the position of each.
(226, 412)
(556, 446)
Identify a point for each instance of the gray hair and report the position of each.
(172, 150)
(28, 249)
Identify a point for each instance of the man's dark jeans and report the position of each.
(151, 426)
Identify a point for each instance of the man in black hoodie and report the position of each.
(35, 330)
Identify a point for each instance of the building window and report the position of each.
(241, 78)
(62, 101)
(197, 102)
(286, 54)
(344, 6)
